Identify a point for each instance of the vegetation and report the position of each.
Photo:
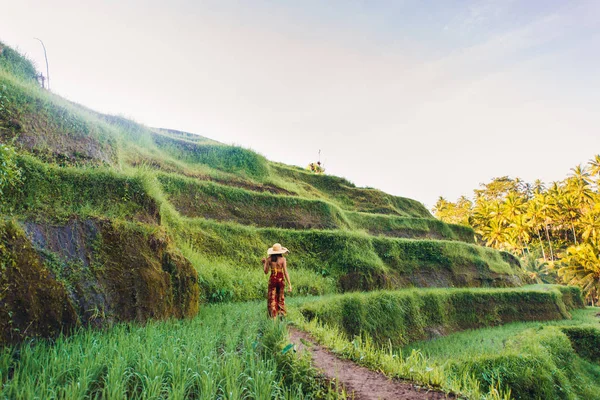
(409, 227)
(518, 360)
(16, 64)
(10, 174)
(106, 223)
(227, 352)
(355, 261)
(402, 317)
(553, 359)
(555, 228)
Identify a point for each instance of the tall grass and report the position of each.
(409, 227)
(227, 158)
(221, 281)
(195, 198)
(227, 352)
(523, 360)
(393, 363)
(349, 197)
(404, 316)
(16, 64)
(535, 359)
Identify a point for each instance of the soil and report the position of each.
(359, 382)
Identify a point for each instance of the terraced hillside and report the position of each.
(106, 222)
(117, 215)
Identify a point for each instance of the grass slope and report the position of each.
(355, 261)
(405, 316)
(555, 359)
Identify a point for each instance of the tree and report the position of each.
(453, 213)
(581, 266)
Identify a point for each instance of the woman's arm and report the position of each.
(265, 265)
(287, 275)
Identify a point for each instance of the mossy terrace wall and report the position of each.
(352, 198)
(193, 198)
(92, 272)
(406, 316)
(357, 261)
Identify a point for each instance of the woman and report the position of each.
(277, 263)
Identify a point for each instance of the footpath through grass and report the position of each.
(557, 359)
(228, 352)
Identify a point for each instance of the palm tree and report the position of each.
(519, 230)
(538, 187)
(581, 266)
(494, 233)
(590, 225)
(570, 206)
(546, 215)
(594, 167)
(535, 214)
(539, 271)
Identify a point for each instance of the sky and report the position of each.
(417, 98)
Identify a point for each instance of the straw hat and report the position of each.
(277, 249)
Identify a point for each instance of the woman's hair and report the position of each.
(274, 257)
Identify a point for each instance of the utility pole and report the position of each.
(47, 69)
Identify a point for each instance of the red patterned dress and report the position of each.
(276, 297)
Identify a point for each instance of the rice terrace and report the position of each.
(151, 263)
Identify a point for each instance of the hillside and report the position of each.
(96, 197)
(107, 223)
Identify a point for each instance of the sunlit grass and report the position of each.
(228, 352)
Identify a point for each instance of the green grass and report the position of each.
(405, 316)
(228, 352)
(51, 192)
(16, 64)
(357, 261)
(227, 158)
(194, 198)
(349, 197)
(533, 359)
(404, 227)
(521, 360)
(51, 128)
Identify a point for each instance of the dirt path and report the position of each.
(362, 382)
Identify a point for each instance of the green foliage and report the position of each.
(228, 351)
(393, 363)
(405, 227)
(355, 261)
(226, 158)
(349, 197)
(195, 198)
(533, 359)
(50, 192)
(10, 173)
(402, 317)
(558, 225)
(16, 64)
(585, 340)
(518, 360)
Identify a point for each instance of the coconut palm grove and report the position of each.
(132, 266)
(553, 228)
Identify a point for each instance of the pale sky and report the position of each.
(417, 98)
